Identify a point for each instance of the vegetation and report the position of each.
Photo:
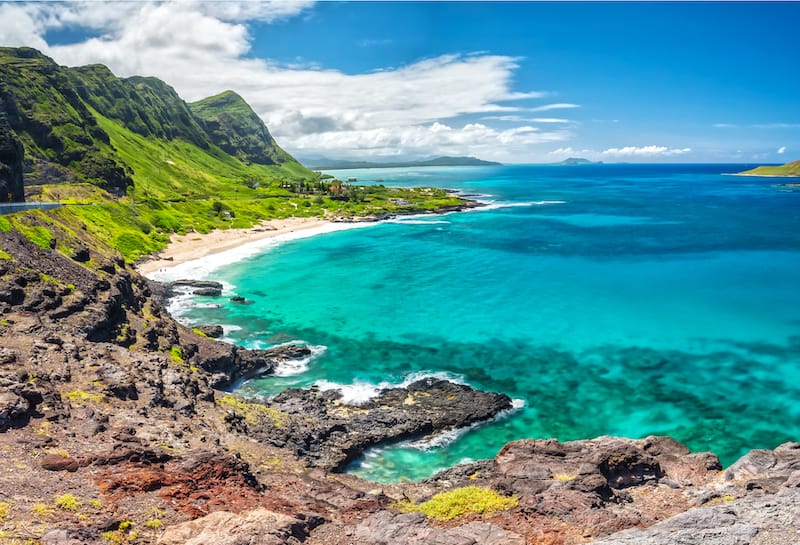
(789, 169)
(81, 397)
(176, 353)
(457, 503)
(134, 163)
(67, 502)
(253, 413)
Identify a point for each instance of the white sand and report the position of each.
(191, 247)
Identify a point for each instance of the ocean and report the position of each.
(604, 299)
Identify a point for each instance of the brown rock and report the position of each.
(225, 528)
(56, 462)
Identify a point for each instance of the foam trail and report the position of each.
(491, 205)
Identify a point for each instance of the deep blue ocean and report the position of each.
(606, 299)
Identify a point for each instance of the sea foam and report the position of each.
(202, 268)
(446, 437)
(359, 392)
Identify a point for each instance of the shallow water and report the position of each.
(611, 299)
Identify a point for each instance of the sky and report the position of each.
(515, 82)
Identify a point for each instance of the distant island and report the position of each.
(571, 161)
(333, 164)
(789, 170)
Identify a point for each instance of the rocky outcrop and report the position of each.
(386, 528)
(329, 433)
(225, 528)
(598, 486)
(766, 520)
(11, 164)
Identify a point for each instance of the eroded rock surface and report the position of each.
(319, 427)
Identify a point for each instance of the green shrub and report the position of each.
(166, 222)
(469, 500)
(68, 502)
(176, 353)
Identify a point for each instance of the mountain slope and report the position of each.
(57, 113)
(62, 139)
(237, 129)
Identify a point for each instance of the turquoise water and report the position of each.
(612, 299)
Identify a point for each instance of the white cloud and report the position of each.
(645, 151)
(18, 27)
(724, 126)
(570, 152)
(781, 150)
(521, 119)
(201, 48)
(557, 106)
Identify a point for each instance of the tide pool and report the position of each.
(607, 299)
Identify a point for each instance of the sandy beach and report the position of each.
(194, 246)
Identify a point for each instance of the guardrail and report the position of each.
(11, 207)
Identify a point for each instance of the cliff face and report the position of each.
(61, 136)
(11, 158)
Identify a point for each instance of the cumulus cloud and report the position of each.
(781, 150)
(645, 151)
(203, 47)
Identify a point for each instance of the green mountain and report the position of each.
(444, 161)
(134, 163)
(237, 129)
(789, 169)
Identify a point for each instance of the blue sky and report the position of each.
(514, 82)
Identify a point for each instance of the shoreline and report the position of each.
(196, 254)
(183, 249)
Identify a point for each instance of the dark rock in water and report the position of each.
(197, 283)
(238, 299)
(213, 331)
(329, 433)
(208, 292)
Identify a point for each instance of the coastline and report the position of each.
(183, 249)
(194, 254)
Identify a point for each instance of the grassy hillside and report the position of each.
(789, 169)
(134, 163)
